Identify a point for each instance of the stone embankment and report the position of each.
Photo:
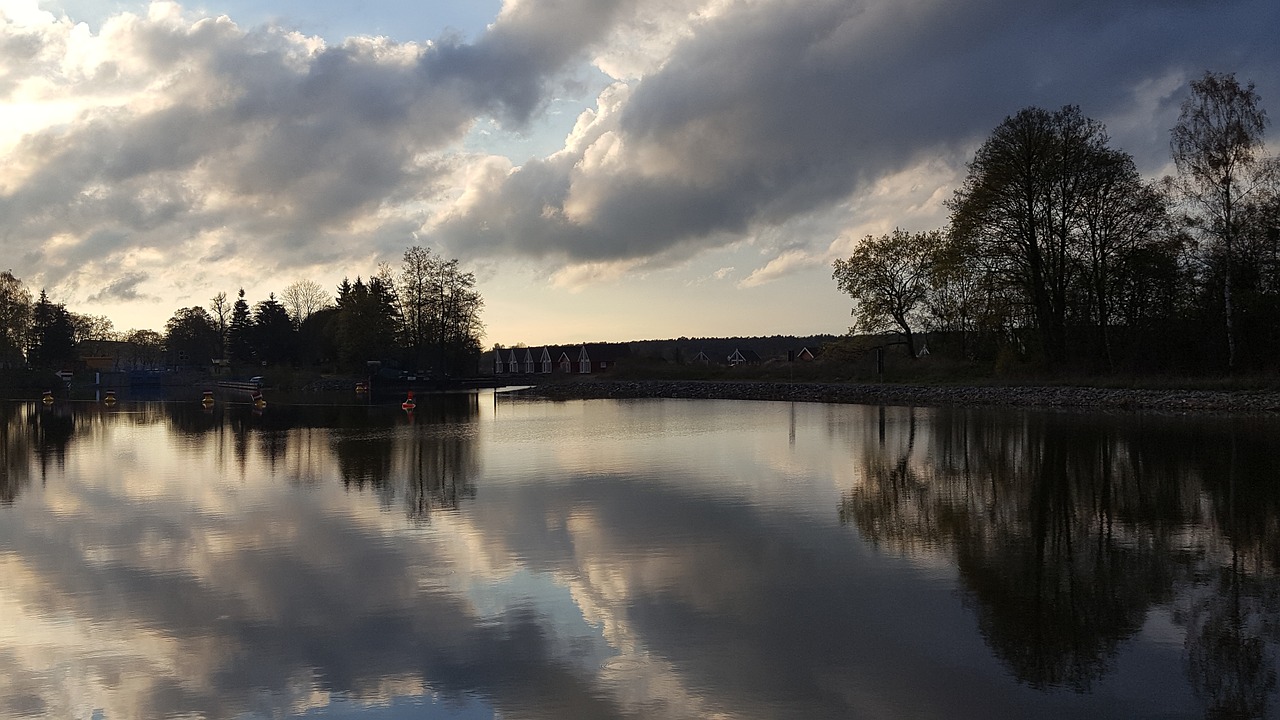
(1215, 401)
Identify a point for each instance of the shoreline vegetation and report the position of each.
(1165, 400)
(1205, 395)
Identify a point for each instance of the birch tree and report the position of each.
(1219, 151)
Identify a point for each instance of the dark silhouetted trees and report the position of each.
(145, 349)
(889, 277)
(191, 337)
(15, 319)
(440, 311)
(239, 331)
(367, 322)
(272, 332)
(1218, 147)
(1046, 207)
(51, 341)
(1059, 254)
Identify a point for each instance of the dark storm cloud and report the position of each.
(779, 109)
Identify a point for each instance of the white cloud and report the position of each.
(576, 276)
(788, 262)
(190, 150)
(758, 115)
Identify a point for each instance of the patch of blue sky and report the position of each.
(544, 135)
(334, 20)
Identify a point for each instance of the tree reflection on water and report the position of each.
(1067, 532)
(31, 432)
(422, 460)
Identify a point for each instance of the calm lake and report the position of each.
(496, 557)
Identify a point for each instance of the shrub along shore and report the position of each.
(1111, 399)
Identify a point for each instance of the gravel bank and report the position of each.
(1211, 401)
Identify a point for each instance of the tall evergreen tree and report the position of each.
(52, 339)
(367, 322)
(239, 331)
(273, 332)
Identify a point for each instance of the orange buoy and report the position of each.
(207, 400)
(258, 402)
(409, 404)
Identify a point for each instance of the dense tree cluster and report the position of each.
(1059, 253)
(15, 319)
(425, 317)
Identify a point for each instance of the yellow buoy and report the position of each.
(47, 398)
(109, 398)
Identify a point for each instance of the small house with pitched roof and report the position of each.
(807, 355)
(582, 359)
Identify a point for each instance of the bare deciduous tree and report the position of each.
(220, 308)
(303, 298)
(1020, 208)
(1218, 149)
(440, 309)
(91, 327)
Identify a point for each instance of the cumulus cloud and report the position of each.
(170, 142)
(177, 132)
(764, 112)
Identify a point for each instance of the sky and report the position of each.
(609, 169)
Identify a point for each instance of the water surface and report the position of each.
(493, 557)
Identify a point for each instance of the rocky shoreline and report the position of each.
(1111, 399)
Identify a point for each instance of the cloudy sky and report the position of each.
(609, 169)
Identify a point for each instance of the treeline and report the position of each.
(43, 333)
(423, 316)
(718, 349)
(1060, 255)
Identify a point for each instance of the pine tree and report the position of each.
(239, 331)
(52, 340)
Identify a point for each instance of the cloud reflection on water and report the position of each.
(687, 560)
